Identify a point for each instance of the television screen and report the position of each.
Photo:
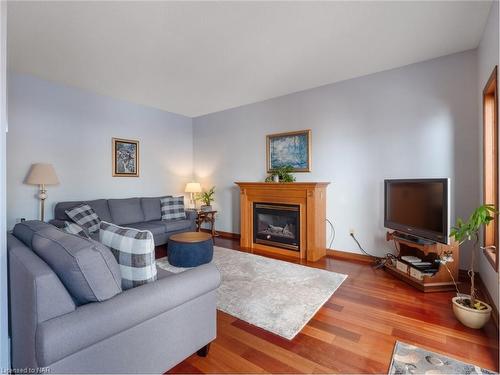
(418, 207)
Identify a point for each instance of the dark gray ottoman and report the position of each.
(190, 249)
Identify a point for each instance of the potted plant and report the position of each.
(281, 174)
(207, 197)
(470, 311)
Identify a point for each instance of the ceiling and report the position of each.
(195, 58)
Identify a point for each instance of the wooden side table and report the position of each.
(206, 217)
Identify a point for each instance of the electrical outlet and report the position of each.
(351, 231)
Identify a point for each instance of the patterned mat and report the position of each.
(410, 359)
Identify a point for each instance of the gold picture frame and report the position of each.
(290, 148)
(125, 157)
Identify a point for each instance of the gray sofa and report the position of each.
(140, 213)
(147, 329)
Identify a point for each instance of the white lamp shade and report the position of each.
(193, 187)
(42, 174)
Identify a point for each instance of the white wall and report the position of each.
(72, 129)
(487, 58)
(415, 121)
(4, 325)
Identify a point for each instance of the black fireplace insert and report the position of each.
(277, 225)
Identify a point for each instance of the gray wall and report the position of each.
(487, 57)
(415, 121)
(72, 129)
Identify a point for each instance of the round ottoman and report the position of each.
(190, 249)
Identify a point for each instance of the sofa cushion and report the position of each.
(86, 268)
(175, 225)
(85, 216)
(134, 250)
(125, 211)
(172, 208)
(25, 231)
(100, 207)
(74, 228)
(156, 227)
(151, 207)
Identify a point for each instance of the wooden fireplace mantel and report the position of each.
(309, 196)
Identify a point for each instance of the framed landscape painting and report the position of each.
(292, 148)
(125, 158)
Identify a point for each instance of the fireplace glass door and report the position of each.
(276, 225)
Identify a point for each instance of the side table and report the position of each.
(206, 217)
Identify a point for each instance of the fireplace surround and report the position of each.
(308, 197)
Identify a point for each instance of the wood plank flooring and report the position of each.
(354, 332)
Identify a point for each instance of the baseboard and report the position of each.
(344, 255)
(463, 276)
(222, 234)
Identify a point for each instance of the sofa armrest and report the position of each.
(36, 295)
(88, 324)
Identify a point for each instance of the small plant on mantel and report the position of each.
(468, 309)
(284, 174)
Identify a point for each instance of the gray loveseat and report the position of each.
(140, 213)
(146, 329)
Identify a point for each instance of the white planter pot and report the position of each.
(471, 318)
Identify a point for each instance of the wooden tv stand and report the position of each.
(440, 281)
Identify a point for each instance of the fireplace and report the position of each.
(277, 225)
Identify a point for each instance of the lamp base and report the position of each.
(42, 196)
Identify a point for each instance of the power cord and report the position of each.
(379, 261)
(333, 233)
(361, 247)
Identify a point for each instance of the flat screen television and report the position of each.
(418, 207)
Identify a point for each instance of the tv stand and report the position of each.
(428, 251)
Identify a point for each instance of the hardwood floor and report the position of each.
(354, 332)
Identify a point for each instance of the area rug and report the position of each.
(278, 296)
(410, 359)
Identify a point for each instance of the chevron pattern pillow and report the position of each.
(134, 250)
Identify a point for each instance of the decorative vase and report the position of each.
(276, 178)
(471, 318)
(206, 208)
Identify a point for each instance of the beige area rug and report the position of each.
(275, 295)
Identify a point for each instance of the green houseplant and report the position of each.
(207, 197)
(468, 309)
(284, 174)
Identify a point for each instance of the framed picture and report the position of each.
(125, 158)
(292, 148)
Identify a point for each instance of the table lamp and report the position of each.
(42, 174)
(193, 187)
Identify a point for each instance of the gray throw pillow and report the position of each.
(85, 216)
(73, 228)
(86, 268)
(172, 208)
(134, 250)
